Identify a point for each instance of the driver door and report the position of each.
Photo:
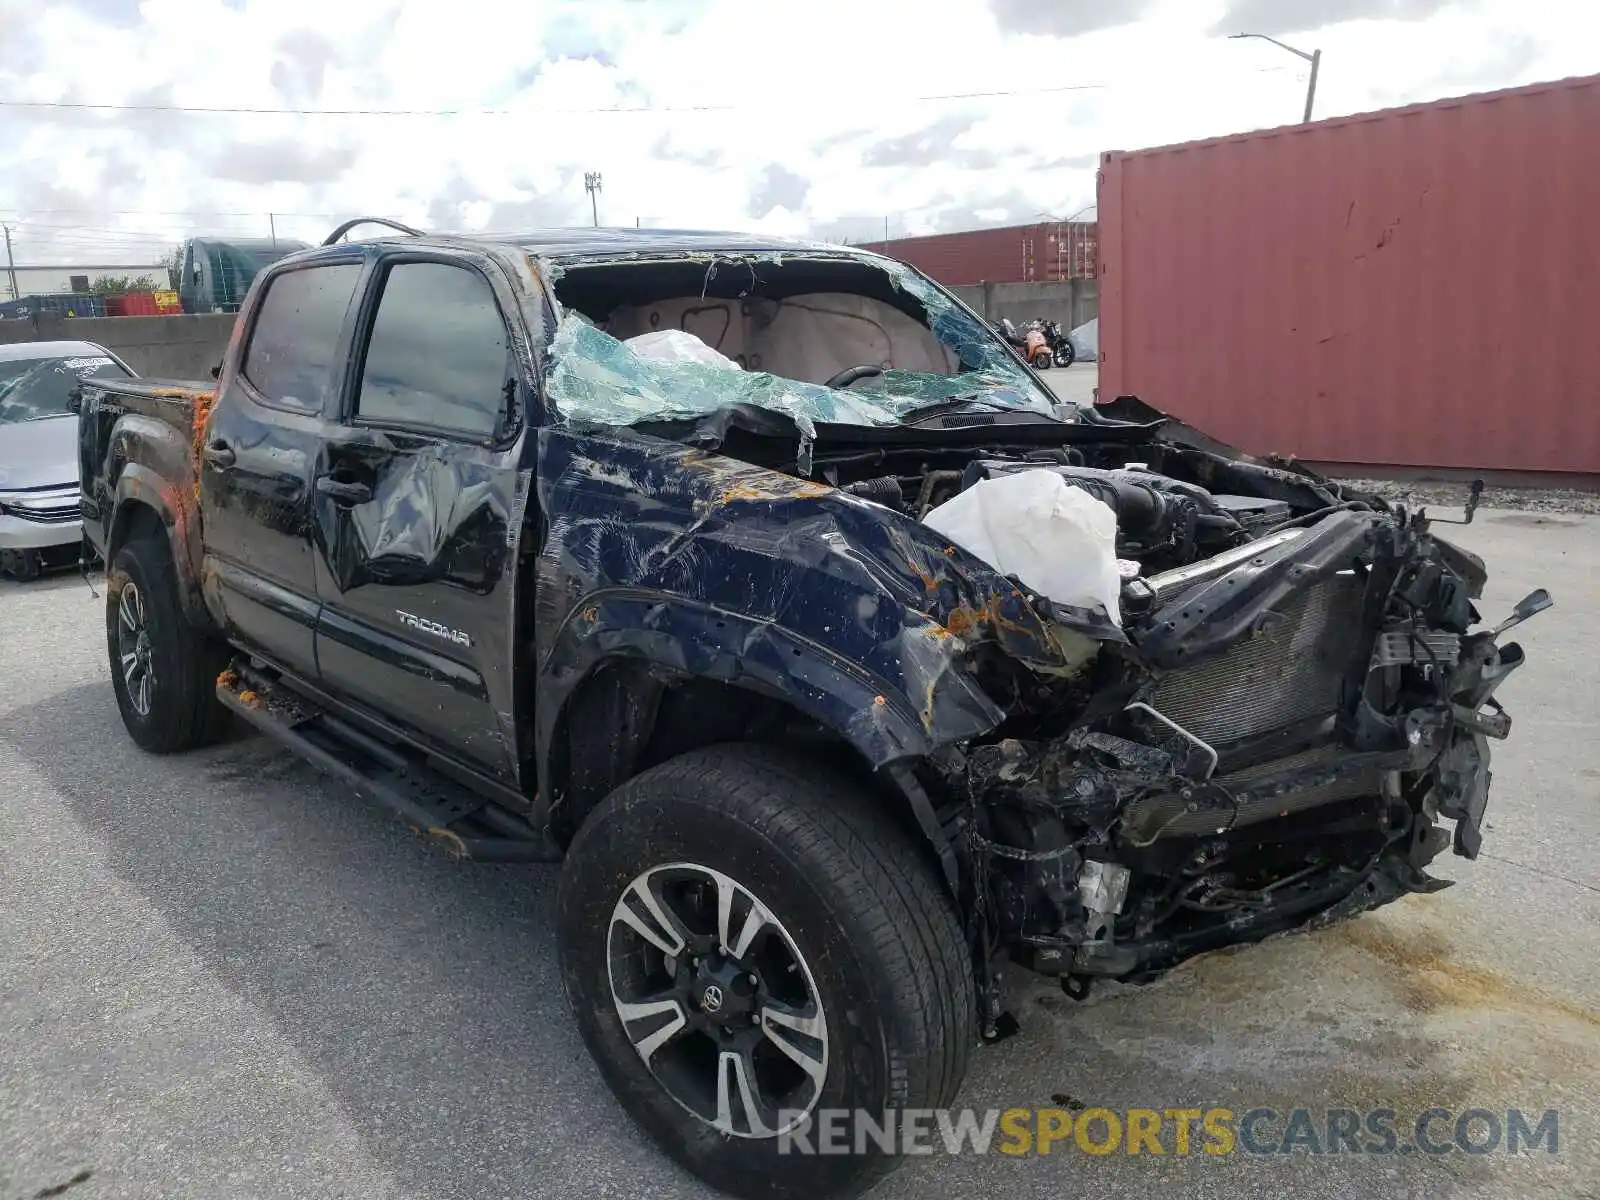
(417, 503)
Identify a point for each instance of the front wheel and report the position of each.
(163, 669)
(1042, 361)
(750, 943)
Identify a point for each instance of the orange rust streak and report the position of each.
(929, 583)
(964, 621)
(199, 419)
(747, 491)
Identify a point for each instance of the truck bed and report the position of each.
(141, 437)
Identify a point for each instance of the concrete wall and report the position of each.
(159, 347)
(1071, 303)
(188, 347)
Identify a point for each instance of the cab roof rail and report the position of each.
(351, 224)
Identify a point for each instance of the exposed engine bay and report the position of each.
(1300, 698)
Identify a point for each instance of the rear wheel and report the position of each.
(163, 670)
(748, 942)
(1066, 354)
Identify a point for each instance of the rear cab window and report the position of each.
(294, 343)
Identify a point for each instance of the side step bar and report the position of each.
(464, 823)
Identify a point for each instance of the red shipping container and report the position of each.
(1417, 287)
(1046, 252)
(132, 304)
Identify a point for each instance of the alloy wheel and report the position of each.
(133, 648)
(717, 1000)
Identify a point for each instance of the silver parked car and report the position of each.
(39, 523)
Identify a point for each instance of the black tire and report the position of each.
(877, 933)
(1042, 361)
(175, 707)
(1066, 354)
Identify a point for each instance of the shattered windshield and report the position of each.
(34, 388)
(677, 372)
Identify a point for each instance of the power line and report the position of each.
(243, 110)
(165, 212)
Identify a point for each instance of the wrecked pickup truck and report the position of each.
(627, 549)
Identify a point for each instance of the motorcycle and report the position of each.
(1061, 348)
(1031, 342)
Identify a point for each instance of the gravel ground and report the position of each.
(1445, 496)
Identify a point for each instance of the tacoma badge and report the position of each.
(433, 627)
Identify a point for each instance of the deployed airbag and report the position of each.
(1058, 540)
(678, 346)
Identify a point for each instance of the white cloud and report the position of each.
(810, 121)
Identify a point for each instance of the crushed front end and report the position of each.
(1274, 747)
(1249, 713)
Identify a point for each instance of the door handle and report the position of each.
(343, 491)
(220, 454)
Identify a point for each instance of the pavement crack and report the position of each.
(1511, 862)
(60, 1188)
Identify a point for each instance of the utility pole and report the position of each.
(1314, 58)
(272, 224)
(591, 184)
(1311, 88)
(11, 265)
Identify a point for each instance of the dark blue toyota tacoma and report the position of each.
(626, 549)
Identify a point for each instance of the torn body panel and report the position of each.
(1298, 725)
(710, 567)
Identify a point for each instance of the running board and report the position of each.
(463, 822)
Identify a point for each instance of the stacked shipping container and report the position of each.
(1042, 253)
(1415, 287)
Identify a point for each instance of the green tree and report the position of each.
(172, 260)
(116, 285)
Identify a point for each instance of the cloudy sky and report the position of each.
(823, 118)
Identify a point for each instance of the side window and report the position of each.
(291, 353)
(439, 355)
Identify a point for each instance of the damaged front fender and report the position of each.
(712, 568)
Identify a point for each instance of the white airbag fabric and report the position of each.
(678, 346)
(1058, 540)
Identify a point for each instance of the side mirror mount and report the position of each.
(75, 401)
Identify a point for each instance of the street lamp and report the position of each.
(1314, 58)
(591, 184)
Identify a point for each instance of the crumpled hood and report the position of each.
(36, 454)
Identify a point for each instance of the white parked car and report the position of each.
(40, 527)
(1086, 341)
